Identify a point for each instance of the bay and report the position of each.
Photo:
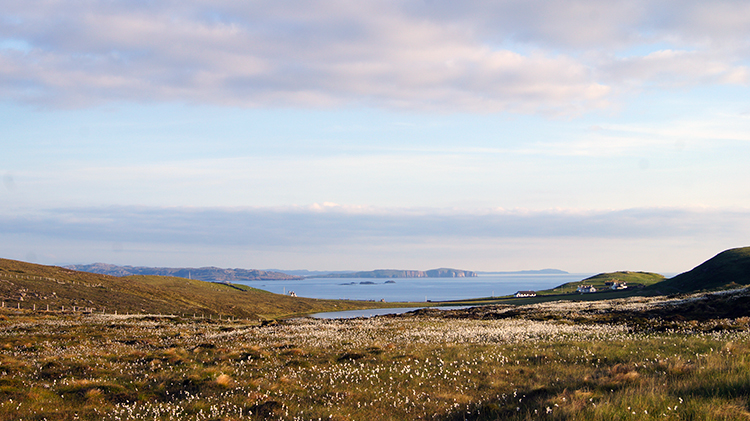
(351, 314)
(416, 289)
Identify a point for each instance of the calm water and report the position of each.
(415, 289)
(351, 314)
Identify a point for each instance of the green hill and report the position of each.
(730, 268)
(633, 280)
(27, 285)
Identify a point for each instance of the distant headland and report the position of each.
(229, 275)
(203, 274)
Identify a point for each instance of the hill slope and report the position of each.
(203, 274)
(633, 279)
(727, 269)
(28, 285)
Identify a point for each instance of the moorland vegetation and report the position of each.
(558, 361)
(681, 356)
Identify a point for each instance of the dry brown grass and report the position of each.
(165, 368)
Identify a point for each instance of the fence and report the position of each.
(89, 310)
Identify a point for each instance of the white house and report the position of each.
(585, 289)
(522, 294)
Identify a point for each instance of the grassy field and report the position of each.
(556, 361)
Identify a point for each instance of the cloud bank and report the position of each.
(521, 56)
(328, 223)
(336, 237)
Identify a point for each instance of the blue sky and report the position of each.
(586, 136)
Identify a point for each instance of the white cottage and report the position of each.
(585, 289)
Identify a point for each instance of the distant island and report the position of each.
(202, 274)
(395, 273)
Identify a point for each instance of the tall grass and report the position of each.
(110, 368)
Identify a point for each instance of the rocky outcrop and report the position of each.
(449, 273)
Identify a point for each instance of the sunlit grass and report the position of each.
(108, 368)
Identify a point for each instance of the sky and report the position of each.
(587, 136)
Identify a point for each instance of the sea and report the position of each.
(416, 289)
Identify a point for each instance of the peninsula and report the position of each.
(203, 274)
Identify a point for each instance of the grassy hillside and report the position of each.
(28, 285)
(567, 291)
(633, 279)
(727, 269)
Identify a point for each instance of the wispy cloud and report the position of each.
(387, 103)
(675, 69)
(536, 57)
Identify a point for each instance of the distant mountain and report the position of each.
(727, 269)
(394, 273)
(203, 274)
(528, 272)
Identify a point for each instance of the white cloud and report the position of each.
(436, 56)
